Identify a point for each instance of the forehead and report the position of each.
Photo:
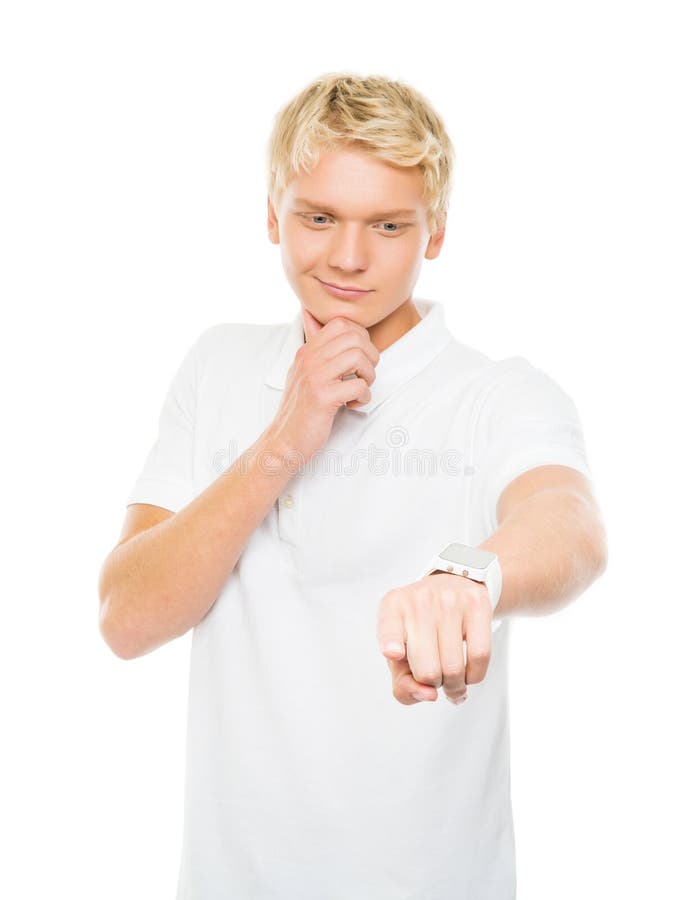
(353, 179)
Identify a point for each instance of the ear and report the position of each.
(272, 222)
(435, 242)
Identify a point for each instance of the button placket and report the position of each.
(288, 509)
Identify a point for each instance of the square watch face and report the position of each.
(462, 554)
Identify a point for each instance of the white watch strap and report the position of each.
(493, 581)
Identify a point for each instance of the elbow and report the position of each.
(600, 555)
(122, 633)
(109, 623)
(602, 560)
(104, 612)
(593, 537)
(112, 635)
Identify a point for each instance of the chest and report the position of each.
(382, 492)
(386, 490)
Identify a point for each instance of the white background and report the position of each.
(133, 216)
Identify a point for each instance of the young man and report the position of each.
(314, 507)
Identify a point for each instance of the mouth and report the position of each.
(339, 291)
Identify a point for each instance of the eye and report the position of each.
(311, 218)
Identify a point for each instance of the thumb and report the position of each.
(311, 326)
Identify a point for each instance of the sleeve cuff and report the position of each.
(165, 494)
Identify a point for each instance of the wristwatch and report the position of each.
(470, 562)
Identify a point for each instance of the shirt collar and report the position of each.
(398, 363)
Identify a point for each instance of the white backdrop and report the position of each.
(133, 216)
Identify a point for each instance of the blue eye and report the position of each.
(311, 218)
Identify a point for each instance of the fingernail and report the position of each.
(395, 648)
(419, 697)
(457, 700)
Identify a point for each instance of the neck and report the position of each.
(388, 330)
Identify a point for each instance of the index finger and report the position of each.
(343, 322)
(311, 325)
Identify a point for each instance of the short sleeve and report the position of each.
(166, 478)
(526, 420)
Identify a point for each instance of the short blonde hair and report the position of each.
(388, 119)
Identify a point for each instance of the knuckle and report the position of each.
(478, 595)
(371, 352)
(428, 676)
(304, 358)
(424, 604)
(424, 592)
(454, 669)
(448, 600)
(385, 635)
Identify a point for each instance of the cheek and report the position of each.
(294, 253)
(301, 248)
(402, 258)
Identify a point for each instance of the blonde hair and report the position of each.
(388, 119)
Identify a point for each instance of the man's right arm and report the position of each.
(162, 579)
(165, 574)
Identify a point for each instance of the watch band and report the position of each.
(490, 576)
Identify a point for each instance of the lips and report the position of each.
(343, 293)
(346, 287)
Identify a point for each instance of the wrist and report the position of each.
(276, 454)
(474, 563)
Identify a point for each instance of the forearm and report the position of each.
(161, 582)
(551, 547)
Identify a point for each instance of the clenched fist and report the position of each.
(421, 628)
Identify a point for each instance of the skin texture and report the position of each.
(339, 241)
(551, 545)
(168, 568)
(165, 573)
(315, 389)
(338, 238)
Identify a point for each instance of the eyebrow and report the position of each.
(311, 204)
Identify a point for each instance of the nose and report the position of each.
(348, 250)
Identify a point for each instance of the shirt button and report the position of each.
(288, 501)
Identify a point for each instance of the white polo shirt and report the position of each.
(306, 779)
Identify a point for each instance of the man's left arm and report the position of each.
(551, 544)
(550, 540)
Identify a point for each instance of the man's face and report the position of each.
(336, 225)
